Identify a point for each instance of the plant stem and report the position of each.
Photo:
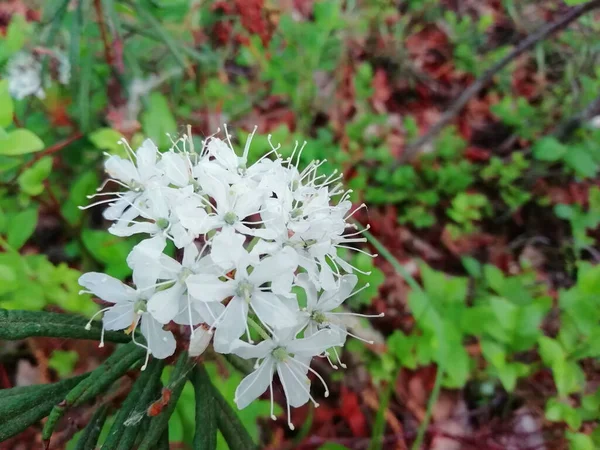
(435, 393)
(259, 329)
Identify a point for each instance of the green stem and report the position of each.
(259, 329)
(390, 258)
(432, 401)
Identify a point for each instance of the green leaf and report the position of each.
(205, 437)
(107, 139)
(580, 441)
(31, 181)
(16, 34)
(158, 120)
(6, 105)
(78, 192)
(127, 418)
(581, 162)
(159, 423)
(550, 350)
(35, 402)
(21, 227)
(20, 142)
(549, 149)
(557, 411)
(63, 362)
(110, 250)
(16, 325)
(91, 432)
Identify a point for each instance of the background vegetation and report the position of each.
(494, 210)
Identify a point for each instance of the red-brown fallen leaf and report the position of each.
(465, 245)
(476, 154)
(351, 412)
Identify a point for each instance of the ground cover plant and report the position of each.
(308, 224)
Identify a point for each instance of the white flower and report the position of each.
(128, 311)
(290, 358)
(257, 225)
(24, 74)
(172, 301)
(248, 291)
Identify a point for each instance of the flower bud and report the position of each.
(200, 340)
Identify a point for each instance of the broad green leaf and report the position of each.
(63, 362)
(21, 227)
(550, 350)
(158, 120)
(107, 139)
(549, 149)
(32, 179)
(16, 34)
(110, 250)
(78, 192)
(581, 161)
(20, 142)
(6, 105)
(580, 441)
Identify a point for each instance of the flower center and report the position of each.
(280, 354)
(185, 272)
(139, 307)
(162, 223)
(230, 218)
(244, 290)
(318, 317)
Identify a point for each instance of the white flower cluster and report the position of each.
(249, 235)
(25, 78)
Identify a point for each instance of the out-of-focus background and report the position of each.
(482, 185)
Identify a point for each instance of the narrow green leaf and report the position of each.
(91, 432)
(379, 426)
(231, 427)
(126, 412)
(18, 423)
(205, 437)
(84, 91)
(98, 381)
(19, 399)
(16, 325)
(159, 423)
(6, 105)
(20, 142)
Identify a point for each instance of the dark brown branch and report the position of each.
(53, 149)
(529, 42)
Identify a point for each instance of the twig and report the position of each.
(107, 48)
(529, 42)
(53, 149)
(565, 130)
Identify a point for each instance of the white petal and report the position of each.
(249, 351)
(233, 324)
(107, 288)
(208, 288)
(160, 342)
(165, 305)
(303, 280)
(315, 344)
(121, 169)
(271, 268)
(228, 248)
(296, 384)
(176, 168)
(272, 311)
(332, 299)
(146, 159)
(144, 261)
(119, 317)
(190, 254)
(255, 384)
